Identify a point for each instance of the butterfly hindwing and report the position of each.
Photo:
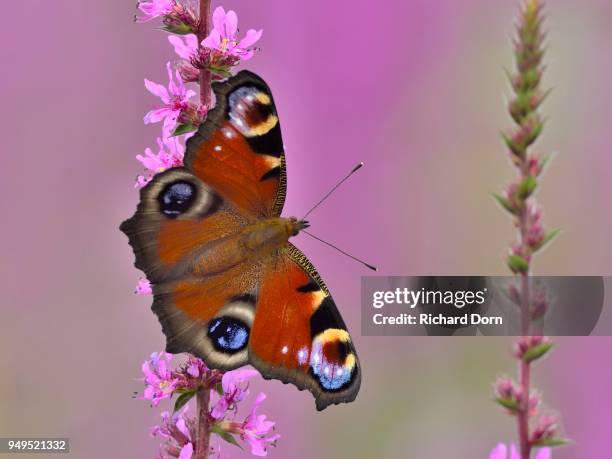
(299, 336)
(211, 317)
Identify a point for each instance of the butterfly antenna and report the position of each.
(367, 265)
(355, 169)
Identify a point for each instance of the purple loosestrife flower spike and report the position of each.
(206, 54)
(518, 200)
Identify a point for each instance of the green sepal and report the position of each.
(182, 400)
(545, 161)
(219, 388)
(549, 238)
(537, 352)
(517, 150)
(228, 437)
(518, 264)
(534, 134)
(184, 129)
(530, 79)
(179, 29)
(224, 72)
(520, 107)
(552, 442)
(507, 403)
(527, 187)
(504, 202)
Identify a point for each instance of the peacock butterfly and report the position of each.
(228, 285)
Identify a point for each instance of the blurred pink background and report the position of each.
(414, 88)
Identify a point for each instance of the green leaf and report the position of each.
(184, 129)
(549, 237)
(527, 187)
(537, 352)
(505, 203)
(518, 264)
(182, 400)
(552, 442)
(228, 437)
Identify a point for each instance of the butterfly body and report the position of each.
(228, 285)
(254, 242)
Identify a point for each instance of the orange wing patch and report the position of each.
(178, 238)
(227, 163)
(281, 332)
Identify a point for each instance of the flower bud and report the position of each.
(530, 348)
(506, 394)
(545, 428)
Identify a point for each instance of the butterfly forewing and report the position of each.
(239, 150)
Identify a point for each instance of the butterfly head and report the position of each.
(296, 225)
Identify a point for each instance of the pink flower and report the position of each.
(179, 433)
(170, 154)
(141, 181)
(143, 287)
(175, 98)
(186, 47)
(154, 8)
(501, 452)
(160, 381)
(223, 36)
(235, 389)
(256, 429)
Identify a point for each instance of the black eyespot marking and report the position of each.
(273, 173)
(326, 316)
(270, 143)
(311, 286)
(336, 373)
(176, 198)
(228, 335)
